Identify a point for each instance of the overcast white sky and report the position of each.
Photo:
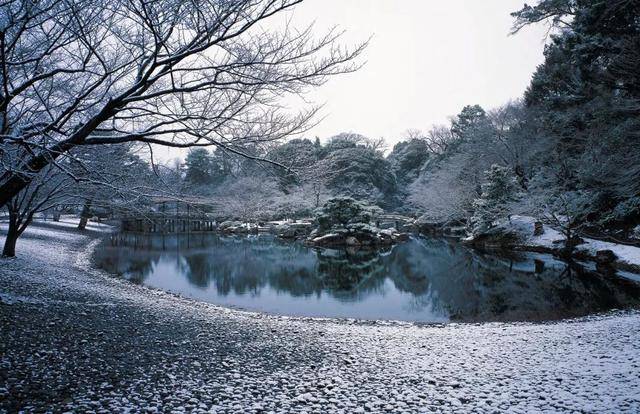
(426, 60)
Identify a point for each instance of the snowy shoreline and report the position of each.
(78, 339)
(627, 258)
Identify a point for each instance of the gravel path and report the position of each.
(76, 339)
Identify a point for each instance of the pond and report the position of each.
(428, 280)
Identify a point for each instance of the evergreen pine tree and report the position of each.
(500, 188)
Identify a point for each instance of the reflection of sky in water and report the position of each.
(428, 280)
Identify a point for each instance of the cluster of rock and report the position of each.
(238, 227)
(344, 221)
(341, 222)
(354, 236)
(524, 233)
(635, 233)
(283, 229)
(425, 224)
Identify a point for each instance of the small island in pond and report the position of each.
(343, 221)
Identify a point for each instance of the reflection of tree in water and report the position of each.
(576, 283)
(346, 273)
(138, 270)
(477, 287)
(439, 275)
(197, 268)
(300, 281)
(406, 276)
(135, 266)
(414, 266)
(505, 292)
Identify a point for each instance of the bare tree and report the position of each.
(442, 193)
(315, 179)
(565, 212)
(439, 139)
(112, 178)
(47, 191)
(177, 73)
(105, 179)
(413, 133)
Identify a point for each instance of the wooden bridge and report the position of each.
(170, 215)
(197, 215)
(163, 223)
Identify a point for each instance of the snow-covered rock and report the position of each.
(238, 227)
(292, 230)
(635, 233)
(626, 257)
(520, 232)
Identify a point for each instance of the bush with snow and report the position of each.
(342, 211)
(499, 190)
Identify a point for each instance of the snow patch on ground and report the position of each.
(524, 227)
(626, 254)
(552, 239)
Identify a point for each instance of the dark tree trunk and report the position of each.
(85, 215)
(521, 177)
(13, 233)
(83, 223)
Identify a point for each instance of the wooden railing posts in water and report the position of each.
(164, 224)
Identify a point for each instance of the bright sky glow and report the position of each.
(426, 60)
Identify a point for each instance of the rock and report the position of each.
(538, 228)
(635, 233)
(331, 239)
(356, 236)
(285, 231)
(230, 226)
(238, 227)
(605, 257)
(458, 231)
(352, 241)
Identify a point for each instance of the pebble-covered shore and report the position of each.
(76, 339)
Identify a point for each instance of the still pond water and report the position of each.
(425, 280)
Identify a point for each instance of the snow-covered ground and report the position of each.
(553, 239)
(74, 338)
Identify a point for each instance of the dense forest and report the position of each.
(569, 148)
(567, 152)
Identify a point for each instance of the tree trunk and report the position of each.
(84, 215)
(10, 240)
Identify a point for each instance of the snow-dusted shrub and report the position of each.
(626, 209)
(342, 211)
(500, 189)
